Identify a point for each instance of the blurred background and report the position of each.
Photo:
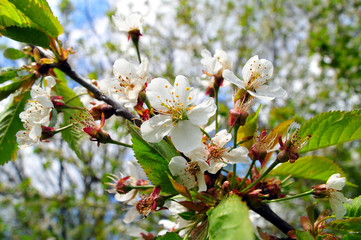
(315, 47)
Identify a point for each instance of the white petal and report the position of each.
(201, 182)
(239, 154)
(186, 136)
(125, 197)
(200, 153)
(336, 182)
(159, 92)
(230, 77)
(182, 89)
(35, 132)
(201, 113)
(156, 128)
(124, 69)
(248, 68)
(130, 215)
(222, 138)
(177, 165)
(206, 54)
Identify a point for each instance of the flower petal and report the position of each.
(156, 128)
(248, 68)
(336, 182)
(222, 138)
(230, 77)
(268, 92)
(239, 154)
(201, 113)
(131, 215)
(186, 136)
(159, 92)
(182, 90)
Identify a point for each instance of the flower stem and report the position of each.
(119, 143)
(71, 99)
(216, 89)
(205, 133)
(274, 164)
(193, 227)
(247, 174)
(136, 44)
(289, 198)
(234, 165)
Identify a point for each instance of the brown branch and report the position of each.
(266, 212)
(119, 110)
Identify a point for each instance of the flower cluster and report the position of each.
(37, 114)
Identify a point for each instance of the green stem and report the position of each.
(119, 143)
(205, 133)
(193, 227)
(234, 165)
(71, 99)
(274, 164)
(289, 198)
(136, 44)
(216, 89)
(247, 174)
(141, 187)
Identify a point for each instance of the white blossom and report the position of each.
(217, 64)
(132, 22)
(129, 82)
(334, 185)
(188, 172)
(216, 155)
(178, 116)
(36, 114)
(256, 72)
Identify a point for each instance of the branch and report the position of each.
(266, 212)
(119, 110)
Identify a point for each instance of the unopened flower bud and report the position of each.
(320, 191)
(283, 156)
(104, 108)
(237, 118)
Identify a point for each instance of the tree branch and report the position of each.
(266, 212)
(119, 110)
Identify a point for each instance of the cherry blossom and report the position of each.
(36, 114)
(217, 64)
(129, 82)
(216, 155)
(131, 24)
(187, 172)
(334, 186)
(177, 116)
(256, 72)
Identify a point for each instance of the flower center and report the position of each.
(192, 168)
(215, 153)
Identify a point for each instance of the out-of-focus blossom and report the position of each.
(256, 72)
(177, 116)
(131, 24)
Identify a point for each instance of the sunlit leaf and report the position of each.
(12, 53)
(350, 224)
(304, 235)
(10, 124)
(154, 159)
(247, 134)
(354, 209)
(331, 128)
(6, 90)
(229, 220)
(8, 73)
(309, 167)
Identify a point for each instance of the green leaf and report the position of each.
(29, 21)
(6, 90)
(304, 235)
(169, 236)
(309, 167)
(72, 136)
(8, 73)
(13, 54)
(331, 128)
(229, 220)
(10, 124)
(354, 209)
(350, 224)
(40, 13)
(154, 159)
(354, 236)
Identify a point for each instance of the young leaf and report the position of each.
(331, 128)
(304, 235)
(351, 236)
(309, 167)
(6, 90)
(13, 54)
(248, 132)
(354, 209)
(8, 73)
(10, 124)
(72, 136)
(28, 21)
(169, 236)
(229, 220)
(154, 159)
(350, 224)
